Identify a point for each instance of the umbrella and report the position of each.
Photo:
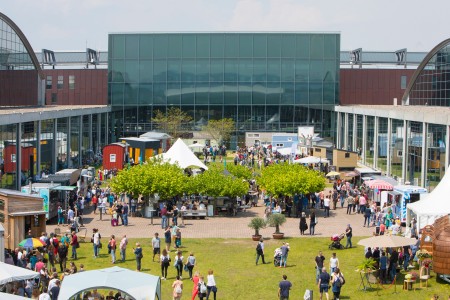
(351, 174)
(196, 145)
(333, 173)
(380, 184)
(385, 241)
(31, 243)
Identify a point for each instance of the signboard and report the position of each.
(305, 135)
(45, 194)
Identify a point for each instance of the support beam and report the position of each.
(346, 142)
(90, 147)
(355, 132)
(447, 144)
(80, 140)
(55, 147)
(107, 129)
(339, 132)
(38, 148)
(388, 146)
(364, 139)
(404, 150)
(99, 133)
(423, 174)
(69, 143)
(18, 156)
(376, 125)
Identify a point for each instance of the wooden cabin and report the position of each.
(20, 212)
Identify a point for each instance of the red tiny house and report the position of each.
(114, 156)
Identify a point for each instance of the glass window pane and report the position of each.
(288, 48)
(302, 70)
(259, 94)
(302, 47)
(203, 45)
(245, 69)
(245, 93)
(231, 93)
(119, 46)
(159, 70)
(202, 70)
(175, 45)
(173, 70)
(132, 70)
(273, 45)
(245, 45)
(216, 92)
(201, 92)
(131, 94)
(273, 93)
(216, 69)
(159, 93)
(173, 93)
(231, 45)
(117, 93)
(328, 93)
(188, 70)
(217, 45)
(287, 70)
(317, 46)
(302, 93)
(118, 70)
(146, 71)
(146, 46)
(273, 70)
(189, 45)
(330, 67)
(145, 94)
(260, 45)
(160, 46)
(315, 93)
(187, 93)
(132, 46)
(231, 69)
(316, 70)
(330, 46)
(259, 70)
(287, 96)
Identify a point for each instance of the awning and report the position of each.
(27, 213)
(10, 273)
(64, 188)
(380, 185)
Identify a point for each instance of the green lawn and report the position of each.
(237, 277)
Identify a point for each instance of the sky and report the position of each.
(373, 25)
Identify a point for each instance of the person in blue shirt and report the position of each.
(383, 266)
(283, 288)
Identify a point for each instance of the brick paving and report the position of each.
(225, 226)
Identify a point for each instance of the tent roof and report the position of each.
(10, 273)
(138, 285)
(181, 154)
(434, 204)
(5, 296)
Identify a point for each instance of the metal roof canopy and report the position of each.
(63, 188)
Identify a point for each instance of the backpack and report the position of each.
(178, 289)
(202, 287)
(258, 248)
(339, 282)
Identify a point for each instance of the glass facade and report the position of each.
(264, 81)
(432, 86)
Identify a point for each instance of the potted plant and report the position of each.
(367, 265)
(257, 223)
(276, 220)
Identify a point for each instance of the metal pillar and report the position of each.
(106, 129)
(355, 132)
(447, 150)
(80, 141)
(99, 133)
(388, 146)
(69, 142)
(90, 133)
(404, 150)
(364, 140)
(55, 147)
(423, 174)
(339, 132)
(376, 124)
(18, 156)
(38, 148)
(346, 144)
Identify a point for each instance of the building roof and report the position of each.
(6, 192)
(155, 135)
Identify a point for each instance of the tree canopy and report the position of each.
(289, 179)
(171, 122)
(220, 130)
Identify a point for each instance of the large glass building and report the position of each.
(264, 81)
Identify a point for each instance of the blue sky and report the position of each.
(383, 25)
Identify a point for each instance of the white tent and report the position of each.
(10, 273)
(288, 151)
(5, 296)
(181, 154)
(433, 205)
(139, 286)
(310, 160)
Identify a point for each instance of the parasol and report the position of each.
(351, 174)
(333, 173)
(387, 241)
(31, 243)
(380, 184)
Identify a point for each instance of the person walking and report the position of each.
(125, 211)
(312, 222)
(177, 286)
(74, 243)
(165, 263)
(303, 225)
(284, 253)
(138, 254)
(179, 264)
(211, 284)
(260, 251)
(326, 205)
(350, 203)
(112, 248)
(60, 216)
(156, 245)
(96, 242)
(62, 254)
(190, 263)
(324, 282)
(337, 281)
(283, 288)
(123, 248)
(334, 263)
(201, 287)
(168, 238)
(349, 234)
(195, 287)
(164, 222)
(319, 260)
(367, 214)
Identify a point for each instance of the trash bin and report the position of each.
(308, 295)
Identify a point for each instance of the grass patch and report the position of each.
(237, 277)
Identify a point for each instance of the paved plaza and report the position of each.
(224, 226)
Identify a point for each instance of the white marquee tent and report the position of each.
(139, 286)
(10, 273)
(432, 206)
(181, 154)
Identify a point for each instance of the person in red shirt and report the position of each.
(74, 244)
(95, 202)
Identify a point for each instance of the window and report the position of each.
(48, 84)
(347, 155)
(280, 145)
(112, 158)
(60, 82)
(13, 158)
(318, 150)
(253, 135)
(72, 82)
(54, 98)
(403, 82)
(289, 139)
(399, 153)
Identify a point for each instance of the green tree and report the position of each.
(215, 183)
(240, 171)
(172, 122)
(289, 179)
(220, 130)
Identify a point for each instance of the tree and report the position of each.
(240, 171)
(215, 183)
(220, 130)
(171, 122)
(289, 179)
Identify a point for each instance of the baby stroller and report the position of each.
(336, 241)
(277, 257)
